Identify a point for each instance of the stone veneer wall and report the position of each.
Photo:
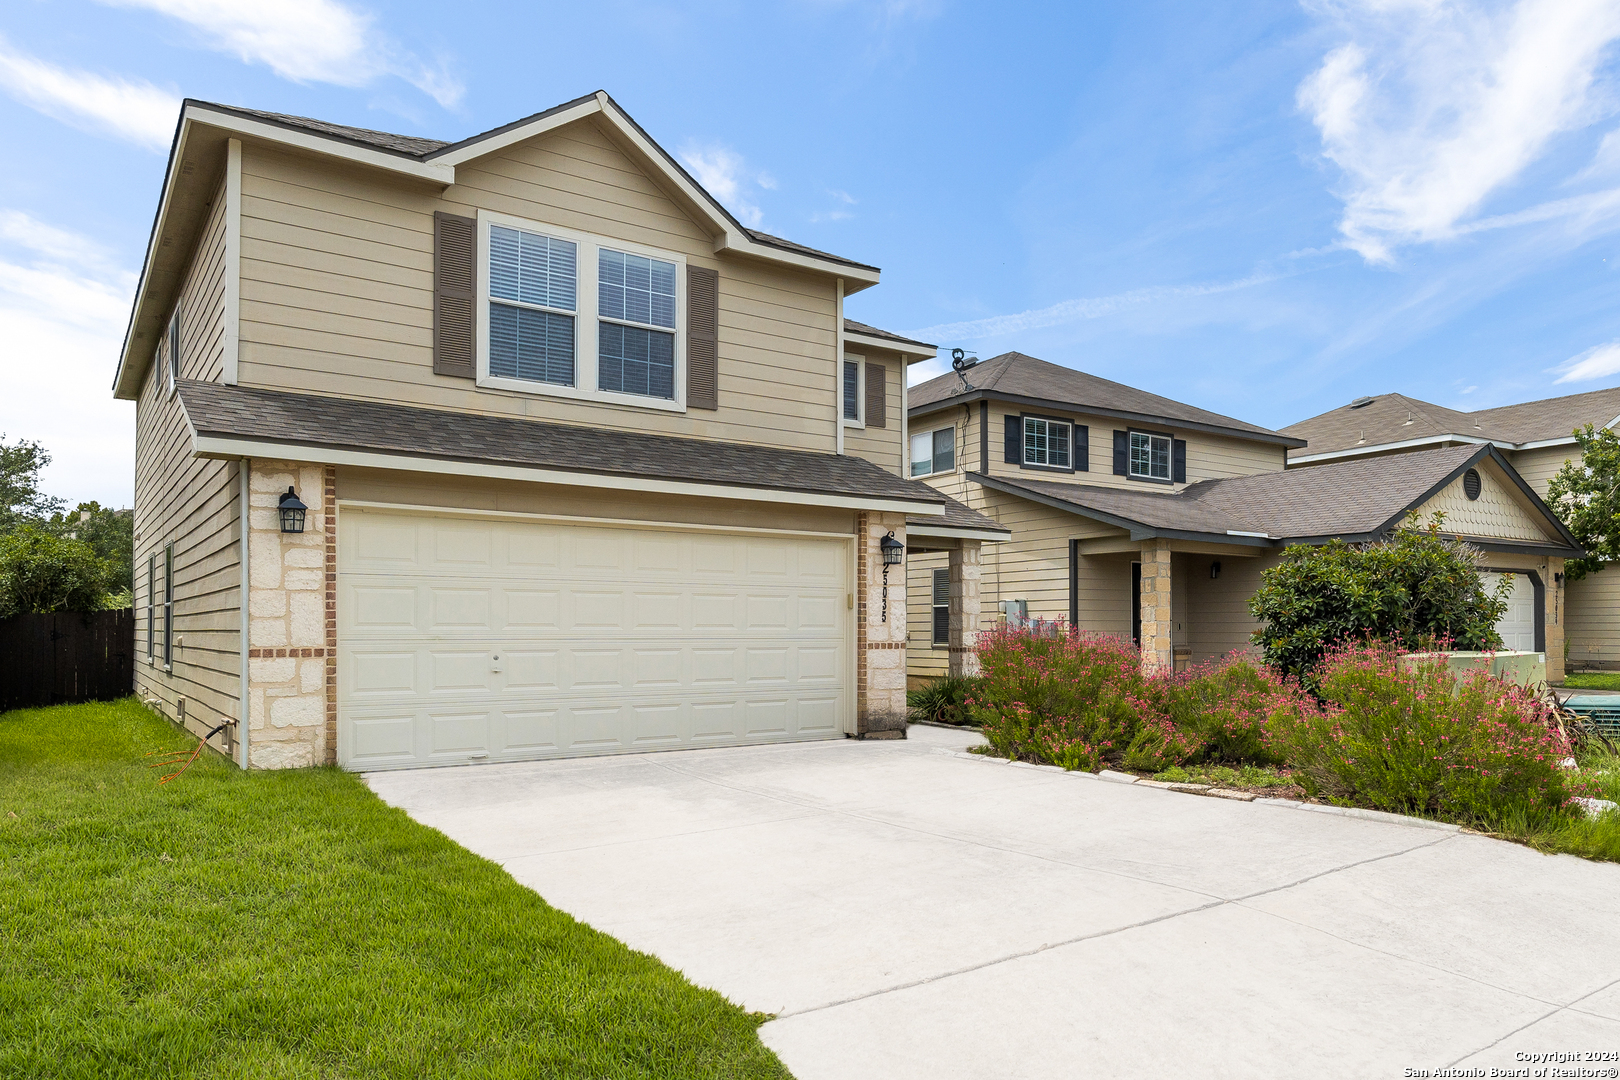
(880, 645)
(1158, 648)
(292, 624)
(964, 570)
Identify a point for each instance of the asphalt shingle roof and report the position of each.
(960, 516)
(1396, 418)
(1017, 375)
(1347, 498)
(422, 148)
(215, 409)
(853, 327)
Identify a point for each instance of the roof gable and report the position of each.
(1014, 376)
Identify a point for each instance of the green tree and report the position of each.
(1587, 497)
(110, 534)
(1417, 586)
(43, 572)
(20, 498)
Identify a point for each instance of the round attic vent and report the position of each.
(1471, 484)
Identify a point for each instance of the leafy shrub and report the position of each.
(1217, 713)
(943, 701)
(40, 572)
(1418, 740)
(1063, 698)
(1417, 587)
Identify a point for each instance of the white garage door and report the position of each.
(478, 639)
(1518, 625)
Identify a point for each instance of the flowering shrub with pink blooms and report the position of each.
(1216, 713)
(1420, 740)
(1062, 698)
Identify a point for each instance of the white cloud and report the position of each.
(724, 174)
(1434, 105)
(1077, 310)
(130, 109)
(306, 41)
(843, 199)
(1595, 363)
(64, 302)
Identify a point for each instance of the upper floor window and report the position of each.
(851, 383)
(1150, 455)
(573, 315)
(933, 452)
(1046, 442)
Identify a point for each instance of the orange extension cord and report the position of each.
(168, 759)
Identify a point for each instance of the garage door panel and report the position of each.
(505, 640)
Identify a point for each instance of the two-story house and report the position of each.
(1136, 515)
(1535, 436)
(513, 447)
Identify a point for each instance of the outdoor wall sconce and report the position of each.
(1214, 570)
(292, 512)
(894, 553)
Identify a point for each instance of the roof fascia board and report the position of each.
(331, 145)
(1511, 548)
(1116, 414)
(1137, 530)
(501, 138)
(214, 446)
(913, 351)
(955, 532)
(125, 385)
(1426, 440)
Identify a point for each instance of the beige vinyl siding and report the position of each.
(194, 505)
(1592, 620)
(337, 289)
(1217, 619)
(1209, 457)
(1539, 466)
(879, 445)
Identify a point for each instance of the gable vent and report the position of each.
(1471, 484)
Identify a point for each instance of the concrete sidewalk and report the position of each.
(908, 913)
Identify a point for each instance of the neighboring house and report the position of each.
(1535, 437)
(587, 465)
(1136, 515)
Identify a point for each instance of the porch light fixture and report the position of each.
(894, 553)
(1214, 570)
(292, 512)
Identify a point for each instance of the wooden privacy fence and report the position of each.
(65, 657)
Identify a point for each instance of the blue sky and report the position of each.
(1265, 209)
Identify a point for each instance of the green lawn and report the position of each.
(1593, 680)
(292, 925)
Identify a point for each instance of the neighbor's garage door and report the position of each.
(463, 639)
(1518, 624)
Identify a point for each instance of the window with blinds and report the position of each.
(933, 452)
(1150, 455)
(1046, 442)
(942, 607)
(852, 390)
(635, 336)
(533, 294)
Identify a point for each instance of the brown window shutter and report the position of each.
(702, 338)
(455, 240)
(877, 395)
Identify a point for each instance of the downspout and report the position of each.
(838, 366)
(244, 469)
(905, 422)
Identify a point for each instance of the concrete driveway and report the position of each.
(908, 913)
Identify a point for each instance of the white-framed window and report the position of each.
(570, 314)
(151, 609)
(852, 390)
(933, 452)
(1047, 442)
(173, 366)
(941, 624)
(1150, 455)
(168, 606)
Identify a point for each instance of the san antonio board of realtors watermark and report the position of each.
(1549, 1065)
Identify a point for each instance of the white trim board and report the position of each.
(233, 260)
(363, 505)
(911, 354)
(217, 447)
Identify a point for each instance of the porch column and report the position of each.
(964, 610)
(1158, 649)
(880, 634)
